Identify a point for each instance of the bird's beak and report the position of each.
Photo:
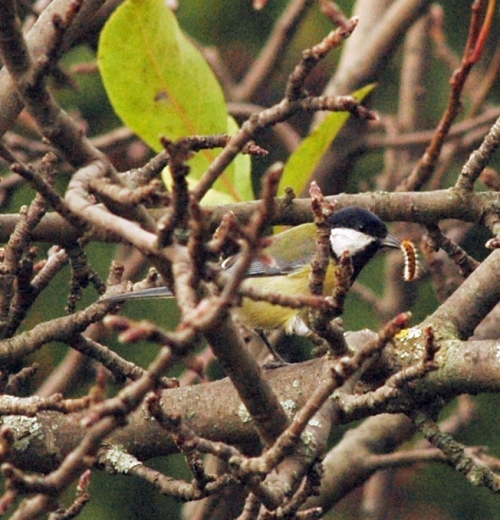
(391, 241)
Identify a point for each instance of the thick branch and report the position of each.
(425, 207)
(214, 411)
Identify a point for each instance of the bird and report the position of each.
(284, 264)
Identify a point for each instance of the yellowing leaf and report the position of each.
(160, 85)
(157, 81)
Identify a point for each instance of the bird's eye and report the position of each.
(361, 227)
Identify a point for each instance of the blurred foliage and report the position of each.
(90, 98)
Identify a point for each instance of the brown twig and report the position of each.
(423, 170)
(464, 262)
(293, 101)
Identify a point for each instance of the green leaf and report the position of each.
(157, 81)
(305, 159)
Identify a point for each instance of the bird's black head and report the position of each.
(359, 232)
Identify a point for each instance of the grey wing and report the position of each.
(264, 266)
(153, 292)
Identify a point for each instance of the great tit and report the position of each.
(283, 267)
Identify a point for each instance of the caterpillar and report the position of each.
(411, 260)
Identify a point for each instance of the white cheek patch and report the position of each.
(350, 240)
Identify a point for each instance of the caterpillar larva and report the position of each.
(411, 260)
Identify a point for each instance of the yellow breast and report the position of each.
(265, 316)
